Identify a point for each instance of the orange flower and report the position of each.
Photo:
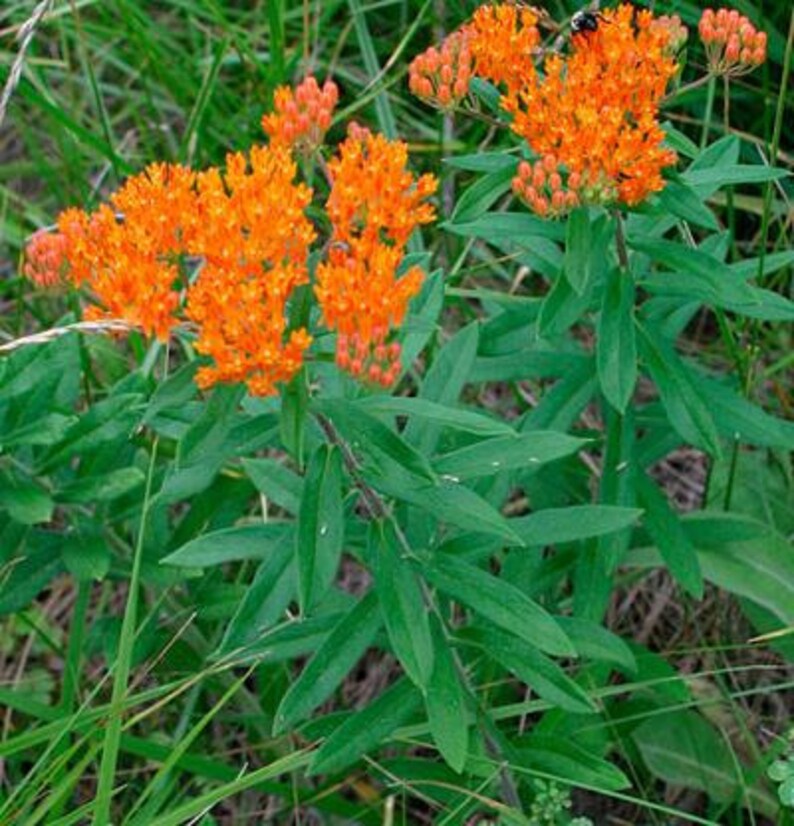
(733, 46)
(361, 298)
(442, 76)
(596, 111)
(504, 42)
(251, 230)
(128, 255)
(45, 259)
(373, 194)
(240, 311)
(374, 205)
(303, 116)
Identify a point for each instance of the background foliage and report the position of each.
(510, 588)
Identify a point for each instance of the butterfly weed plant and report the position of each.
(300, 478)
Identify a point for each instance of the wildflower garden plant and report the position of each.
(333, 460)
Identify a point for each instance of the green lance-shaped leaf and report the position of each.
(320, 526)
(668, 533)
(578, 250)
(686, 408)
(331, 663)
(365, 432)
(499, 601)
(402, 605)
(531, 667)
(616, 350)
(445, 701)
(230, 545)
(366, 729)
(531, 449)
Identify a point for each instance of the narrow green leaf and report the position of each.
(734, 174)
(365, 730)
(321, 526)
(294, 404)
(443, 383)
(684, 749)
(363, 431)
(331, 663)
(562, 307)
(481, 195)
(537, 671)
(499, 601)
(530, 449)
(455, 418)
(456, 504)
(578, 250)
(565, 759)
(482, 162)
(555, 526)
(616, 348)
(276, 481)
(230, 545)
(86, 558)
(445, 701)
(401, 604)
(666, 530)
(24, 501)
(679, 199)
(687, 410)
(594, 642)
(265, 600)
(102, 488)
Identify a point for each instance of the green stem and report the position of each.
(711, 92)
(112, 740)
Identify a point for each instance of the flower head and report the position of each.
(253, 234)
(441, 76)
(303, 116)
(595, 111)
(127, 254)
(733, 45)
(45, 259)
(373, 194)
(504, 43)
(362, 298)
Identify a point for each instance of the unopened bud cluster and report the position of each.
(302, 117)
(45, 259)
(733, 45)
(441, 76)
(374, 360)
(677, 32)
(547, 188)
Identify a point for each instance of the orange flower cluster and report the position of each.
(442, 76)
(547, 188)
(226, 250)
(302, 116)
(504, 42)
(249, 229)
(596, 110)
(128, 252)
(733, 46)
(252, 232)
(374, 205)
(45, 259)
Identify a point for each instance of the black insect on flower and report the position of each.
(586, 21)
